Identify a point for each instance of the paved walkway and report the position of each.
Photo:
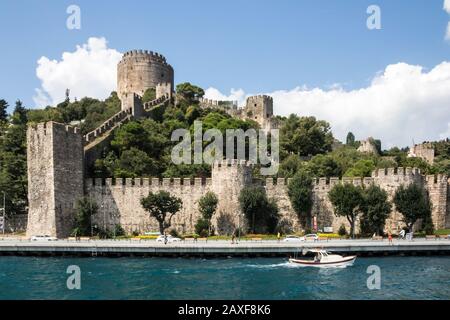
(219, 247)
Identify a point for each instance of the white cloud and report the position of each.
(90, 71)
(447, 6)
(402, 103)
(447, 32)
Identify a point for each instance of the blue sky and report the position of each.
(257, 46)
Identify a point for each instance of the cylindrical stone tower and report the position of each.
(141, 69)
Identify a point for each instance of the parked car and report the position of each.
(169, 239)
(293, 239)
(43, 238)
(311, 236)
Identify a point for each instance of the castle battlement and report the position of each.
(143, 54)
(150, 104)
(261, 96)
(400, 171)
(107, 125)
(43, 127)
(228, 163)
(147, 182)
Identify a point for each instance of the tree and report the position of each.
(347, 200)
(261, 212)
(189, 91)
(161, 204)
(362, 168)
(350, 141)
(300, 194)
(207, 206)
(412, 203)
(376, 210)
(305, 136)
(19, 114)
(3, 110)
(85, 209)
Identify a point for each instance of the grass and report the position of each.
(442, 232)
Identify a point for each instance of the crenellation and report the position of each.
(155, 182)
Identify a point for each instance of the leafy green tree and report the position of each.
(412, 203)
(350, 140)
(323, 165)
(135, 163)
(305, 136)
(19, 114)
(202, 227)
(362, 168)
(189, 91)
(376, 210)
(261, 212)
(348, 201)
(85, 209)
(207, 206)
(3, 110)
(290, 166)
(300, 195)
(162, 206)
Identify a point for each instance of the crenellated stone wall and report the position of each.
(120, 200)
(55, 177)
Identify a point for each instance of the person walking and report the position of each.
(232, 238)
(165, 237)
(278, 236)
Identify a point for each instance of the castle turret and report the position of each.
(55, 178)
(229, 177)
(260, 109)
(140, 70)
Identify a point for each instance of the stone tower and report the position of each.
(260, 109)
(55, 178)
(140, 70)
(229, 177)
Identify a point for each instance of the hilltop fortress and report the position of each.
(58, 156)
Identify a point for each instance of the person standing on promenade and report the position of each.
(278, 236)
(390, 237)
(232, 238)
(165, 237)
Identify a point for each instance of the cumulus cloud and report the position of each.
(402, 103)
(90, 71)
(447, 6)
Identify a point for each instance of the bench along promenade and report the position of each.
(220, 248)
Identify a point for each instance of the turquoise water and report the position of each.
(236, 278)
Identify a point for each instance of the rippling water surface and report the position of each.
(236, 278)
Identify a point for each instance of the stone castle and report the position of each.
(59, 155)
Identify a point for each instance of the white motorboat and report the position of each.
(324, 258)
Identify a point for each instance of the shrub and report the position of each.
(342, 231)
(201, 227)
(174, 233)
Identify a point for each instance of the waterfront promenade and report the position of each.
(218, 248)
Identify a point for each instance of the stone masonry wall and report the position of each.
(139, 70)
(229, 177)
(55, 178)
